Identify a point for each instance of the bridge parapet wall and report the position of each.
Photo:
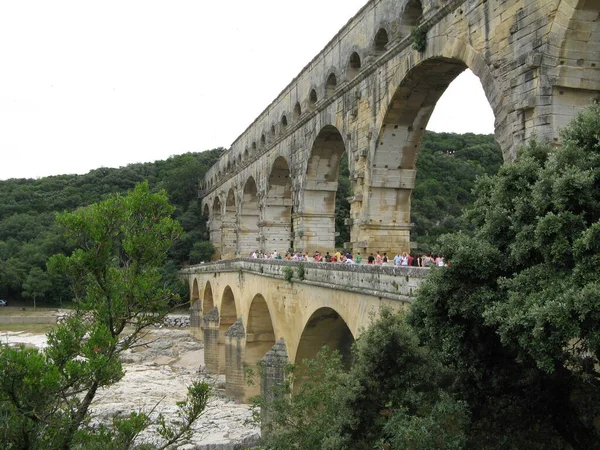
(386, 281)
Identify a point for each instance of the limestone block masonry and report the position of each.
(369, 95)
(301, 306)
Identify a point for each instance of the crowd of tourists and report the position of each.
(399, 259)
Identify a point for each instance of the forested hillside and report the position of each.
(29, 235)
(447, 168)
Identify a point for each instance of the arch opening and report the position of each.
(324, 328)
(208, 302)
(316, 221)
(392, 169)
(331, 84)
(410, 17)
(277, 227)
(260, 337)
(216, 221)
(205, 222)
(249, 230)
(284, 122)
(195, 292)
(381, 41)
(227, 317)
(229, 235)
(312, 98)
(297, 111)
(354, 65)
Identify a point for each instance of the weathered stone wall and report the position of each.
(538, 62)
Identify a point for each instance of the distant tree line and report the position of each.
(29, 234)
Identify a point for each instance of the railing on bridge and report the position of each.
(385, 281)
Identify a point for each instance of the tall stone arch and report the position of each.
(277, 223)
(208, 302)
(324, 328)
(384, 220)
(216, 221)
(249, 236)
(315, 221)
(227, 317)
(260, 337)
(229, 227)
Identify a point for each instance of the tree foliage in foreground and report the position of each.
(390, 398)
(517, 314)
(117, 282)
(501, 349)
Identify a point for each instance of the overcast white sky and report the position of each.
(106, 83)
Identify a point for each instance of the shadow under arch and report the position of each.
(277, 226)
(249, 231)
(325, 327)
(316, 227)
(260, 337)
(409, 19)
(195, 295)
(208, 302)
(227, 317)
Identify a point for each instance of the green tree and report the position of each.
(303, 420)
(37, 284)
(116, 276)
(394, 394)
(202, 251)
(516, 315)
(391, 397)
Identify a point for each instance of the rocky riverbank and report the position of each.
(157, 373)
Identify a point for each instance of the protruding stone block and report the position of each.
(211, 341)
(235, 345)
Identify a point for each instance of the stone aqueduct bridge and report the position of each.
(369, 95)
(244, 309)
